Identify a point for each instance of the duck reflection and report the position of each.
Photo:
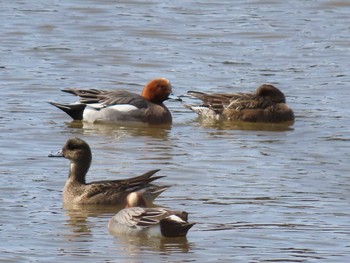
(134, 245)
(79, 220)
(248, 126)
(78, 216)
(156, 131)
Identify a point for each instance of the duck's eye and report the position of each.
(165, 87)
(72, 146)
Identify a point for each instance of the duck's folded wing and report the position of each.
(122, 97)
(113, 187)
(249, 103)
(88, 96)
(145, 177)
(219, 101)
(137, 217)
(105, 189)
(109, 98)
(209, 99)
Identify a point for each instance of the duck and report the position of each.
(267, 105)
(121, 106)
(77, 191)
(136, 219)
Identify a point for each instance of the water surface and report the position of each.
(258, 193)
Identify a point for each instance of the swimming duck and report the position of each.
(267, 104)
(110, 106)
(77, 192)
(137, 219)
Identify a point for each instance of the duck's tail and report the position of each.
(171, 228)
(151, 192)
(75, 111)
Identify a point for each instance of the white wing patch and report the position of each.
(96, 106)
(176, 218)
(123, 107)
(123, 112)
(119, 107)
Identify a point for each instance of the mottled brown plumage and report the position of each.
(113, 192)
(267, 104)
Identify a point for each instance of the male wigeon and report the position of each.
(77, 192)
(267, 104)
(115, 106)
(137, 219)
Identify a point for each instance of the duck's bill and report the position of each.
(174, 98)
(56, 154)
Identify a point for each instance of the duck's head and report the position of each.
(157, 90)
(78, 153)
(268, 90)
(76, 150)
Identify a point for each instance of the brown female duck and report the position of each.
(267, 104)
(114, 192)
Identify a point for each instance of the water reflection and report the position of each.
(81, 227)
(135, 245)
(242, 43)
(130, 130)
(78, 216)
(249, 126)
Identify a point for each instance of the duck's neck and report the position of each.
(77, 172)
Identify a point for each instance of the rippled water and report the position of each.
(258, 193)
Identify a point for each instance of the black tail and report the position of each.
(169, 228)
(73, 110)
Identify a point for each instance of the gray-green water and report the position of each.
(258, 194)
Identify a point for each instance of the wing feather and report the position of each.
(108, 97)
